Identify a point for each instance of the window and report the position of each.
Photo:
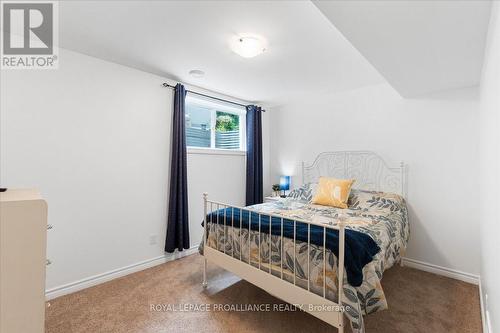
(215, 125)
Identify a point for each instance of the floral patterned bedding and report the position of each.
(383, 216)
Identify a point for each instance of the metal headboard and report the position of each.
(369, 169)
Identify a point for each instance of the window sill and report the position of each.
(215, 151)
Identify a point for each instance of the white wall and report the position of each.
(435, 135)
(489, 169)
(94, 137)
(221, 176)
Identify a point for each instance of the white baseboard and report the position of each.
(483, 306)
(116, 273)
(448, 272)
(488, 323)
(485, 315)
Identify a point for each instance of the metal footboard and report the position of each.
(254, 273)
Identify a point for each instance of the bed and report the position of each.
(305, 253)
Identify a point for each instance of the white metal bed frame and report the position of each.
(371, 173)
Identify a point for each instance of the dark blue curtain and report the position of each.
(254, 191)
(178, 222)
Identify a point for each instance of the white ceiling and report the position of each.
(418, 46)
(306, 53)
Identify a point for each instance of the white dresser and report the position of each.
(23, 238)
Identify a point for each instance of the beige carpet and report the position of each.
(418, 301)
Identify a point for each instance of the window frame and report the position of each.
(214, 106)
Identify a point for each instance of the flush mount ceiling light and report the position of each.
(248, 46)
(196, 73)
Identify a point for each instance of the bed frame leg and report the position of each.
(204, 283)
(205, 235)
(340, 271)
(341, 323)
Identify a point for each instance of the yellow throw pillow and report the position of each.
(333, 192)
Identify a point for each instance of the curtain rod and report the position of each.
(166, 85)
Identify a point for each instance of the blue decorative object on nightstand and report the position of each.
(284, 184)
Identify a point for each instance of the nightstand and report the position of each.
(272, 199)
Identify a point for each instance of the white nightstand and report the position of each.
(272, 199)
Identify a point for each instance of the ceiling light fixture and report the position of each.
(248, 47)
(196, 73)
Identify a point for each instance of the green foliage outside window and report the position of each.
(227, 122)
